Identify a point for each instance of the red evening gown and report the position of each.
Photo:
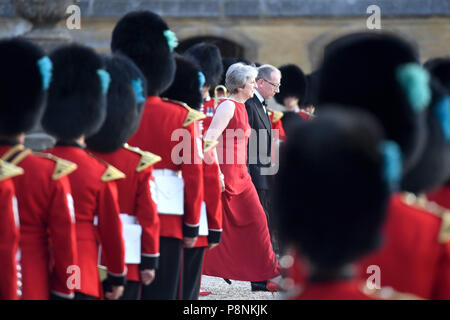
(245, 252)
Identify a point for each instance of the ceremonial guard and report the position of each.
(440, 69)
(47, 248)
(415, 256)
(76, 109)
(410, 256)
(137, 209)
(186, 88)
(333, 234)
(9, 232)
(292, 91)
(145, 37)
(209, 106)
(209, 59)
(275, 119)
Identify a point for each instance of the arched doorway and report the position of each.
(227, 48)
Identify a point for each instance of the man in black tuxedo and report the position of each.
(260, 143)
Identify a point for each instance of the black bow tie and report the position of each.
(264, 103)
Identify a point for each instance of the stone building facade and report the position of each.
(264, 31)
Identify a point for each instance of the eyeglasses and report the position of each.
(276, 86)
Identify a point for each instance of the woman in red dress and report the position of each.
(245, 252)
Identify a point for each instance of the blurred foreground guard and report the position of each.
(76, 109)
(145, 37)
(47, 229)
(415, 256)
(186, 89)
(343, 156)
(440, 69)
(138, 213)
(9, 232)
(380, 73)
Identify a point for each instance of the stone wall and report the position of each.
(270, 31)
(255, 8)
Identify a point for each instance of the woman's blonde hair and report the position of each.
(237, 75)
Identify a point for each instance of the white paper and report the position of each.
(132, 237)
(203, 230)
(169, 195)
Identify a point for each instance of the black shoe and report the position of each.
(259, 286)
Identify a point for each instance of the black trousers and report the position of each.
(132, 290)
(166, 283)
(82, 296)
(265, 197)
(192, 272)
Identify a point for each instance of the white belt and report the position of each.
(128, 219)
(167, 172)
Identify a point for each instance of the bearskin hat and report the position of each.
(187, 85)
(77, 94)
(142, 36)
(126, 97)
(340, 157)
(25, 75)
(293, 83)
(433, 167)
(311, 89)
(208, 57)
(440, 69)
(379, 72)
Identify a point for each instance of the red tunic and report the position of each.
(212, 193)
(245, 252)
(95, 195)
(161, 123)
(9, 236)
(208, 109)
(47, 230)
(441, 196)
(351, 289)
(136, 200)
(412, 259)
(277, 125)
(305, 115)
(297, 271)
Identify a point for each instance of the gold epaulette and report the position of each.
(8, 154)
(433, 208)
(209, 144)
(111, 173)
(8, 170)
(63, 167)
(277, 115)
(147, 158)
(16, 154)
(193, 115)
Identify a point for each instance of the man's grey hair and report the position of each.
(237, 75)
(265, 71)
